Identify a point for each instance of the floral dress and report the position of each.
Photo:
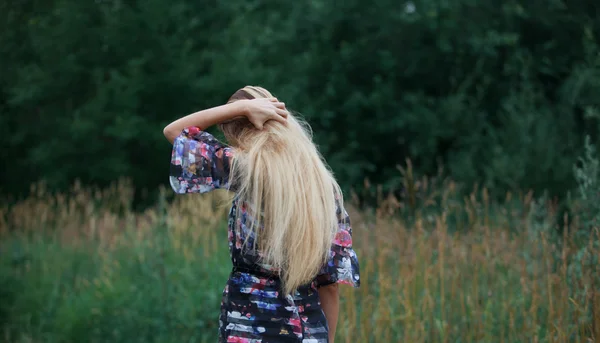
(253, 309)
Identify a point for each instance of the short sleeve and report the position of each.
(342, 264)
(199, 162)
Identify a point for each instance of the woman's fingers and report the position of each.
(279, 105)
(282, 112)
(280, 117)
(269, 109)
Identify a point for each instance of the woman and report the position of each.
(290, 238)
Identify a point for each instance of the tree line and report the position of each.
(502, 93)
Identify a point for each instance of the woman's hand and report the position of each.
(260, 111)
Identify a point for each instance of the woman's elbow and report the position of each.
(170, 135)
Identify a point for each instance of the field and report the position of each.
(435, 267)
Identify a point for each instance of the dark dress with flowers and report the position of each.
(253, 309)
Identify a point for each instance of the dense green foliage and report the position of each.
(501, 93)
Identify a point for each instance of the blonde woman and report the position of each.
(290, 238)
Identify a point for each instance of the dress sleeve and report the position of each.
(342, 265)
(199, 162)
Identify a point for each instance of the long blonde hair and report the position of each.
(280, 172)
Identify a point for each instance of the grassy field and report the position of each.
(435, 267)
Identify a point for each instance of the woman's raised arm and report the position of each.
(258, 112)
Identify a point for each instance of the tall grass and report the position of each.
(435, 267)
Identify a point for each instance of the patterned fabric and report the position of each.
(199, 162)
(253, 309)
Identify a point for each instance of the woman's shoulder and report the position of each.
(196, 133)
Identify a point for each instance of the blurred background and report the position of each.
(462, 131)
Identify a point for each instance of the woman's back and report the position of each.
(288, 231)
